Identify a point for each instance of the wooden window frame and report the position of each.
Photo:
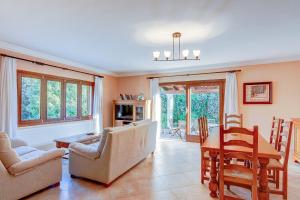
(62, 102)
(44, 102)
(21, 122)
(87, 117)
(78, 100)
(188, 85)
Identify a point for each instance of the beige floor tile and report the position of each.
(172, 173)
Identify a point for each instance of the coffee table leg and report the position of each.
(263, 190)
(213, 183)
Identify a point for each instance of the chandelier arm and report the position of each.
(179, 48)
(181, 59)
(177, 35)
(173, 49)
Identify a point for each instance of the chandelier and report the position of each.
(185, 52)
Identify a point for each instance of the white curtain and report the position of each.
(155, 99)
(98, 105)
(231, 105)
(8, 96)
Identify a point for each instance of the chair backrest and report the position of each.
(203, 129)
(233, 120)
(181, 124)
(233, 139)
(275, 130)
(171, 124)
(284, 141)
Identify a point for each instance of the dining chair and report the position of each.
(233, 173)
(274, 137)
(233, 120)
(275, 130)
(203, 129)
(203, 134)
(174, 131)
(284, 143)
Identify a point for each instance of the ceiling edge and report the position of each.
(29, 52)
(45, 56)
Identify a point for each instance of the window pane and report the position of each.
(71, 100)
(53, 99)
(86, 100)
(31, 98)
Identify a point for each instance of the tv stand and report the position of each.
(140, 111)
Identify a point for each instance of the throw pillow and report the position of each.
(8, 156)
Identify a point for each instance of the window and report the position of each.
(31, 98)
(71, 100)
(86, 100)
(54, 102)
(46, 99)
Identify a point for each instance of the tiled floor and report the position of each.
(171, 173)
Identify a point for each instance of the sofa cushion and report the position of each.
(89, 151)
(113, 129)
(21, 150)
(94, 145)
(142, 122)
(8, 156)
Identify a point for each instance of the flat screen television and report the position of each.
(124, 112)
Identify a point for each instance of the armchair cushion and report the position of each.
(29, 163)
(88, 151)
(8, 156)
(22, 150)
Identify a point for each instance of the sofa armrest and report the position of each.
(17, 143)
(84, 150)
(25, 165)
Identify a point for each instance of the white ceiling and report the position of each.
(120, 35)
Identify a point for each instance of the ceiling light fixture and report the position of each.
(185, 52)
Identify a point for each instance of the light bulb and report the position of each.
(167, 54)
(196, 53)
(156, 55)
(185, 53)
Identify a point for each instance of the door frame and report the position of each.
(188, 85)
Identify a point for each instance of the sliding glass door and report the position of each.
(184, 102)
(206, 100)
(173, 112)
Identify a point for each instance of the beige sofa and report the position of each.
(123, 148)
(33, 169)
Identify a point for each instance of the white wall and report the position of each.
(45, 134)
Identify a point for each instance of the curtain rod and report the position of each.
(41, 63)
(219, 72)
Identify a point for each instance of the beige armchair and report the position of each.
(21, 164)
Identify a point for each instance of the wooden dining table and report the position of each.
(265, 152)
